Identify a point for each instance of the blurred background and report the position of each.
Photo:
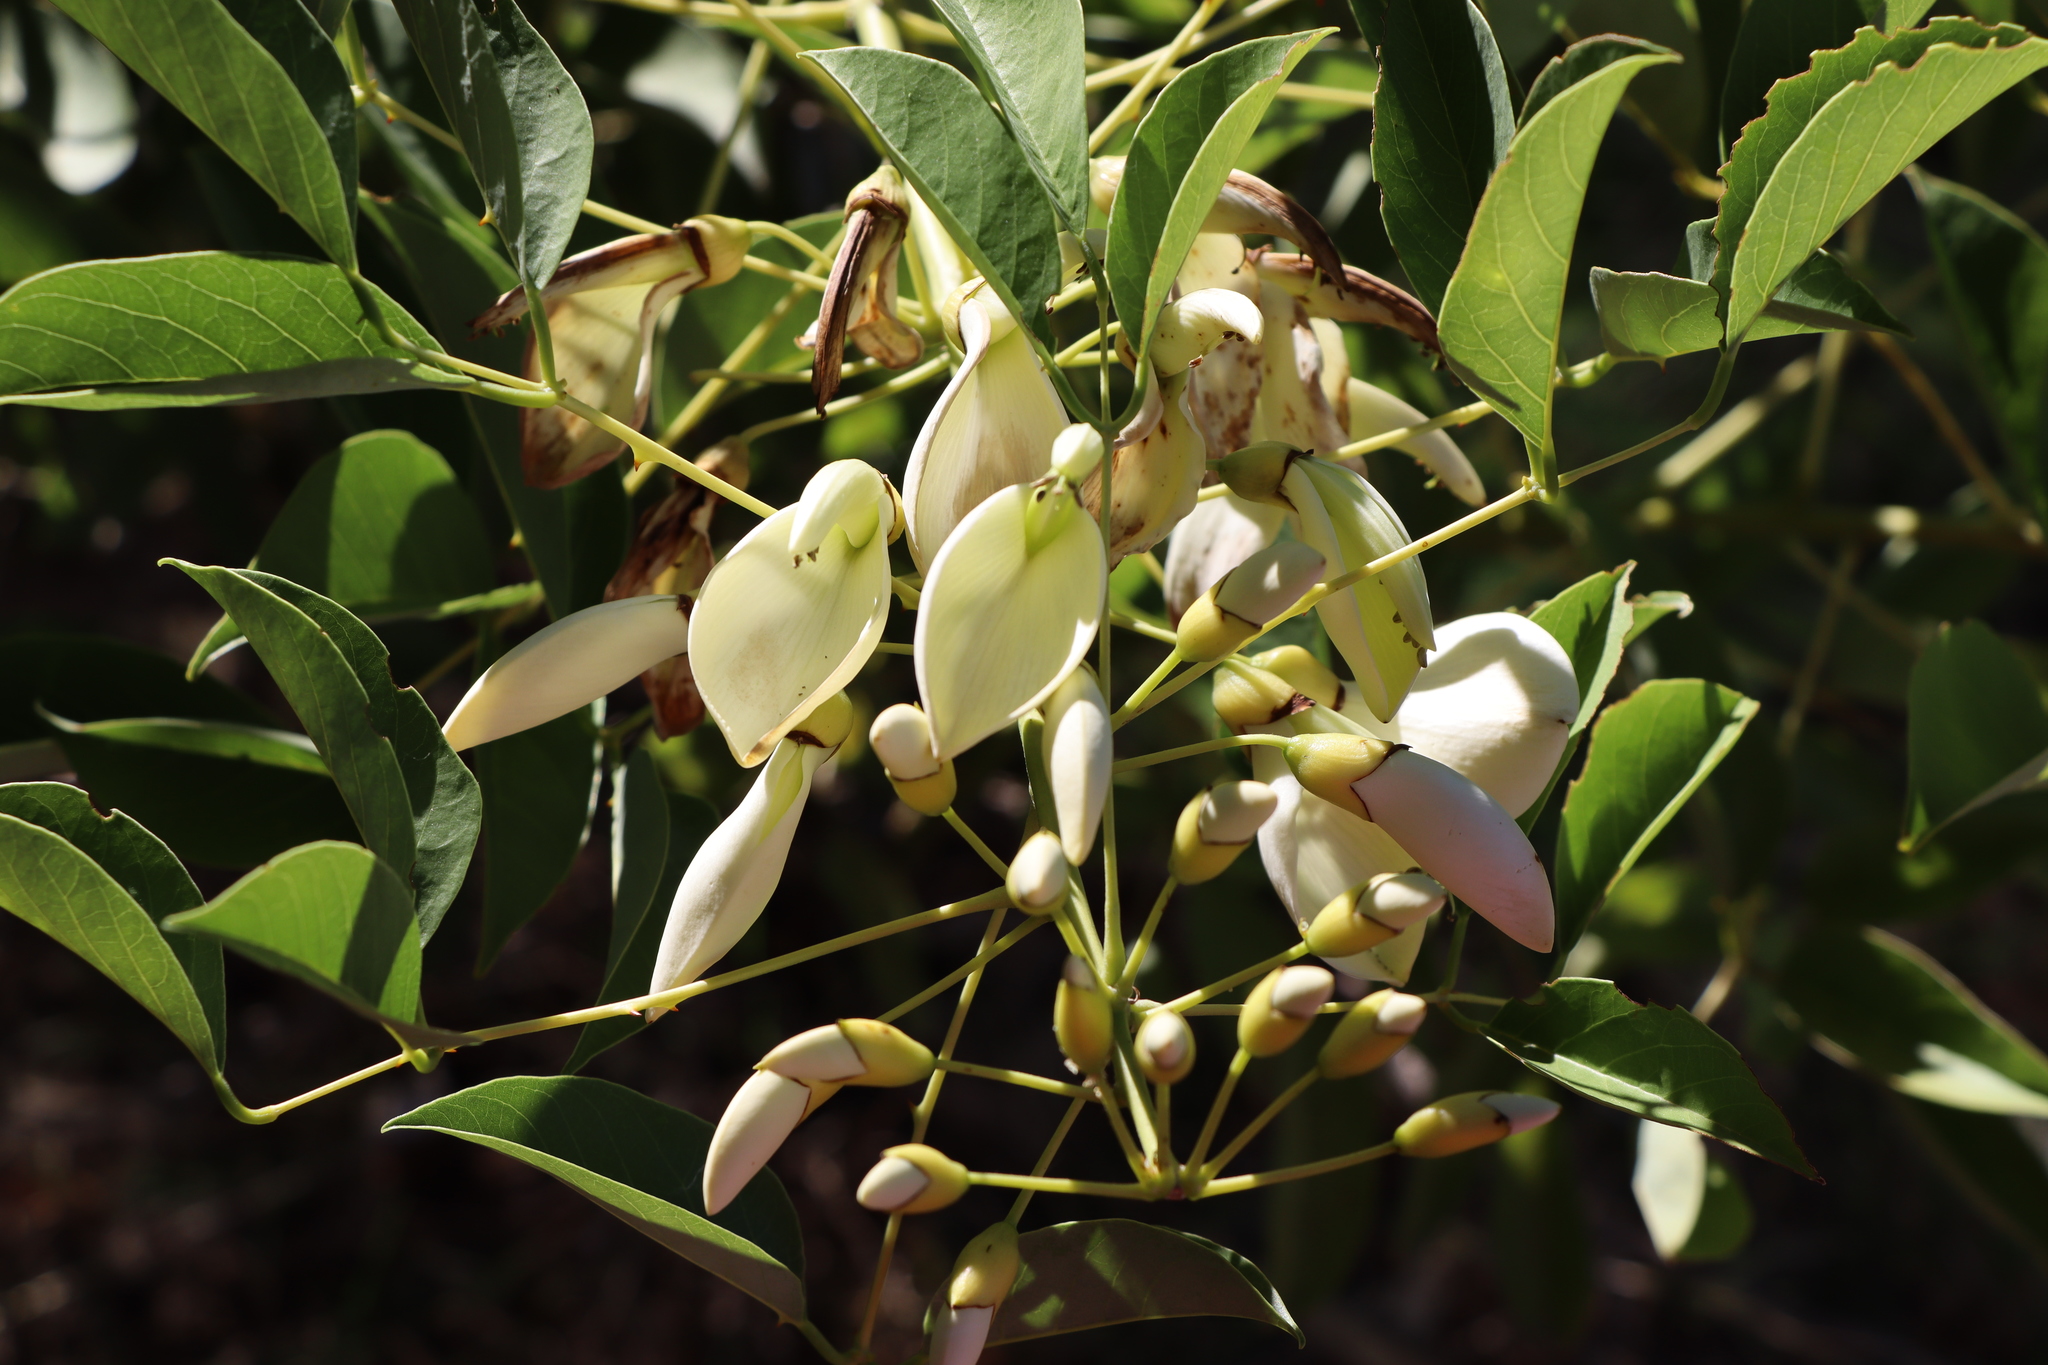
(137, 1221)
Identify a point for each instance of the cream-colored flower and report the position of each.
(1369, 411)
(1077, 758)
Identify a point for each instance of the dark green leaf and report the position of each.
(1976, 730)
(965, 165)
(1646, 1060)
(1883, 1005)
(1994, 1166)
(1778, 39)
(336, 917)
(199, 329)
(298, 42)
(640, 1161)
(238, 94)
(1649, 753)
(1577, 62)
(1655, 315)
(1822, 296)
(1081, 1275)
(520, 117)
(539, 792)
(1995, 268)
(1029, 52)
(1543, 1253)
(1725, 1218)
(1503, 307)
(1179, 157)
(1441, 122)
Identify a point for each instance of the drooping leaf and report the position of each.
(1649, 753)
(280, 122)
(1976, 730)
(199, 329)
(1995, 1168)
(539, 792)
(1029, 52)
(1669, 1183)
(140, 865)
(655, 833)
(1901, 96)
(1778, 39)
(1442, 120)
(1647, 1060)
(520, 117)
(1994, 266)
(338, 918)
(1504, 305)
(1887, 1007)
(638, 1160)
(1076, 1276)
(1179, 157)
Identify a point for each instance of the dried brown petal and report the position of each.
(1364, 297)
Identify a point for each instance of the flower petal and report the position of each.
(1215, 538)
(568, 664)
(1292, 405)
(1077, 759)
(1000, 624)
(1374, 410)
(1362, 297)
(1157, 476)
(760, 1118)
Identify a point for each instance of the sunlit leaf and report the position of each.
(1029, 52)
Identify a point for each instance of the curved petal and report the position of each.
(569, 664)
(1157, 477)
(1374, 410)
(1217, 261)
(1292, 405)
(1077, 759)
(992, 428)
(760, 1118)
(1496, 704)
(1210, 541)
(1000, 624)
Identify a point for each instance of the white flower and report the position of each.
(1077, 759)
(1370, 411)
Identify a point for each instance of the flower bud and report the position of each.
(912, 1178)
(1245, 696)
(1371, 913)
(828, 724)
(1078, 754)
(1281, 1007)
(1304, 672)
(1461, 1122)
(902, 739)
(1165, 1046)
(1197, 323)
(1256, 472)
(851, 1052)
(1215, 827)
(760, 1118)
(1081, 1018)
(1370, 1032)
(1246, 598)
(1076, 452)
(1037, 880)
(1327, 765)
(985, 1270)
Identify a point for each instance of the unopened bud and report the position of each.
(852, 1052)
(1216, 826)
(1245, 599)
(1281, 1007)
(828, 725)
(753, 1127)
(1256, 472)
(1198, 322)
(912, 1178)
(902, 739)
(1370, 1032)
(1037, 880)
(1372, 912)
(1076, 452)
(1081, 1018)
(1327, 765)
(985, 1269)
(1245, 696)
(1305, 673)
(1461, 1122)
(1165, 1046)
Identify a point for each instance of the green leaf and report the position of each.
(199, 329)
(1880, 1004)
(218, 793)
(238, 94)
(1994, 266)
(1503, 308)
(963, 162)
(1646, 1060)
(140, 865)
(1976, 730)
(655, 833)
(1442, 120)
(60, 890)
(1778, 39)
(1577, 62)
(1109, 1270)
(1178, 160)
(1543, 1252)
(1029, 52)
(520, 117)
(1591, 619)
(1648, 314)
(1822, 296)
(1997, 1170)
(1888, 112)
(336, 917)
(539, 792)
(640, 1161)
(1651, 607)
(1649, 753)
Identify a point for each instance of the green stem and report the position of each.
(1207, 746)
(1008, 1077)
(975, 964)
(1135, 703)
(1237, 1184)
(721, 165)
(1279, 959)
(646, 448)
(1138, 949)
(909, 379)
(1107, 1097)
(1456, 417)
(960, 826)
(1258, 1125)
(1238, 1062)
(269, 1112)
(1052, 1147)
(1039, 1184)
(1456, 956)
(1137, 625)
(817, 1339)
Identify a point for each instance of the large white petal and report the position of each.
(568, 664)
(1374, 411)
(774, 634)
(1000, 625)
(1210, 541)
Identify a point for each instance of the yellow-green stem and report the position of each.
(1258, 1125)
(1018, 1078)
(1052, 1147)
(1237, 1184)
(1239, 1060)
(1138, 949)
(1207, 746)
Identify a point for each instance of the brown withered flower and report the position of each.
(860, 294)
